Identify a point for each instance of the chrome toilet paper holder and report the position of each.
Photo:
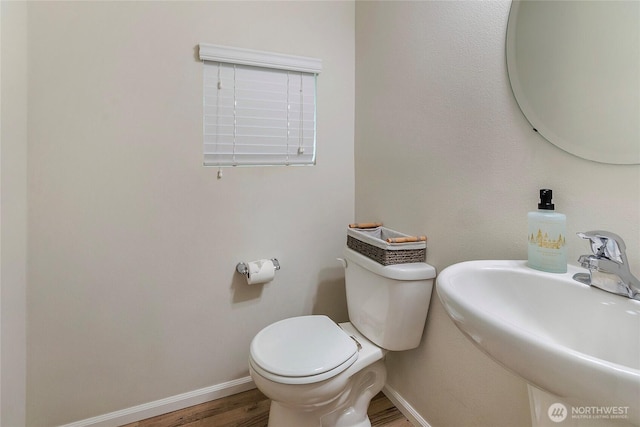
(243, 268)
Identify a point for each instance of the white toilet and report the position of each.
(318, 373)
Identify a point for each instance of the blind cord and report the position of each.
(288, 117)
(235, 124)
(219, 86)
(301, 125)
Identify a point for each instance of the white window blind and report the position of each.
(259, 108)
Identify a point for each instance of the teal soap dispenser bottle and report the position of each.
(547, 231)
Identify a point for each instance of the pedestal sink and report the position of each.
(579, 345)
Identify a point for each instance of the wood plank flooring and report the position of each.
(251, 409)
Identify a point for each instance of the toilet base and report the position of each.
(281, 416)
(349, 409)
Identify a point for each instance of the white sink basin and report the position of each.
(569, 339)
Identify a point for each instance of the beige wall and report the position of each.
(13, 212)
(442, 149)
(133, 295)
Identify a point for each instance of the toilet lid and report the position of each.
(302, 347)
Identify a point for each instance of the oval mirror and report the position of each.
(574, 68)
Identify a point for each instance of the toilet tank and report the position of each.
(388, 304)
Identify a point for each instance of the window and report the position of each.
(259, 107)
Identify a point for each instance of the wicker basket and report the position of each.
(371, 242)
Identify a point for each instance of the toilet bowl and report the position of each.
(321, 374)
(315, 392)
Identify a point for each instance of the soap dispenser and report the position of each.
(547, 230)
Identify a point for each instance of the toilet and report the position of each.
(321, 374)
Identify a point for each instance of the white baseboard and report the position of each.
(184, 400)
(169, 404)
(407, 410)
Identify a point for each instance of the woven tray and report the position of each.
(372, 244)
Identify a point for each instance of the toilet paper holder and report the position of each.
(243, 268)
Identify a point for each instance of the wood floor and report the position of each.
(251, 409)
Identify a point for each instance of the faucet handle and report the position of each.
(605, 244)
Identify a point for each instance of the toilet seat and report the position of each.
(302, 350)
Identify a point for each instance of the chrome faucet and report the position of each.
(608, 266)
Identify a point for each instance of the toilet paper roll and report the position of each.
(260, 271)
